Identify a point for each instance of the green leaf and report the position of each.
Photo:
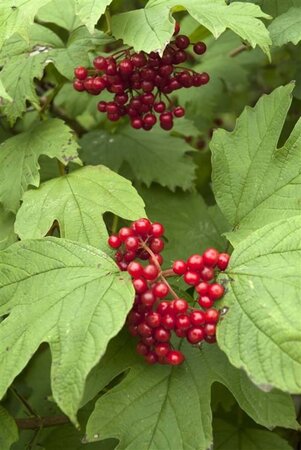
(273, 7)
(254, 182)
(151, 28)
(90, 11)
(7, 234)
(228, 436)
(19, 157)
(8, 430)
(78, 201)
(173, 404)
(16, 16)
(261, 331)
(60, 13)
(191, 226)
(24, 62)
(64, 293)
(153, 157)
(287, 28)
(3, 94)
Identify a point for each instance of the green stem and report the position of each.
(61, 168)
(108, 21)
(115, 224)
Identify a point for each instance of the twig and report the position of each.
(238, 50)
(34, 423)
(23, 401)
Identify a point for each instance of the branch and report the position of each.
(238, 50)
(34, 423)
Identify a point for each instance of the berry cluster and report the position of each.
(141, 83)
(154, 316)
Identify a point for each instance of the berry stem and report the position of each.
(108, 21)
(238, 50)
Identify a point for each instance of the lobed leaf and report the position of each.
(8, 430)
(287, 27)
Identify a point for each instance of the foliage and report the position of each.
(226, 176)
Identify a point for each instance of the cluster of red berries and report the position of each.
(154, 317)
(139, 81)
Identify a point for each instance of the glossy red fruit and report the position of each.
(163, 307)
(162, 349)
(180, 333)
(148, 299)
(161, 334)
(197, 317)
(132, 243)
(159, 107)
(212, 316)
(210, 339)
(183, 322)
(179, 112)
(124, 233)
(207, 274)
(126, 67)
(210, 329)
(192, 278)
(223, 261)
(153, 319)
(151, 358)
(134, 318)
(114, 241)
(150, 272)
(156, 245)
(210, 257)
(79, 86)
(215, 291)
(129, 256)
(137, 123)
(142, 349)
(205, 302)
(175, 358)
(195, 262)
(182, 41)
(142, 226)
(202, 288)
(144, 329)
(157, 230)
(177, 28)
(81, 73)
(160, 289)
(135, 269)
(204, 78)
(179, 267)
(140, 285)
(200, 48)
(180, 306)
(168, 321)
(100, 63)
(195, 335)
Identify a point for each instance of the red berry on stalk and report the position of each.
(162, 349)
(162, 335)
(202, 288)
(156, 245)
(200, 48)
(207, 274)
(210, 257)
(168, 321)
(144, 329)
(205, 302)
(163, 307)
(132, 243)
(100, 63)
(150, 272)
(160, 289)
(157, 230)
(215, 291)
(142, 226)
(159, 107)
(192, 278)
(79, 86)
(175, 357)
(142, 349)
(210, 329)
(183, 322)
(179, 267)
(153, 319)
(182, 41)
(205, 78)
(223, 261)
(177, 28)
(124, 233)
(137, 123)
(179, 112)
(126, 67)
(102, 106)
(151, 358)
(81, 73)
(197, 318)
(135, 269)
(195, 335)
(140, 285)
(147, 299)
(114, 241)
(212, 316)
(180, 306)
(195, 262)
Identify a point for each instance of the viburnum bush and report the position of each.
(150, 225)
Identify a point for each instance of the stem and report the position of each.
(34, 423)
(115, 224)
(61, 168)
(238, 50)
(23, 401)
(108, 21)
(155, 262)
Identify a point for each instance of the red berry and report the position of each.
(135, 269)
(133, 330)
(148, 299)
(142, 349)
(179, 267)
(197, 317)
(177, 28)
(175, 357)
(215, 291)
(168, 321)
(210, 329)
(126, 67)
(183, 322)
(162, 349)
(134, 318)
(81, 73)
(223, 261)
(148, 340)
(114, 241)
(124, 233)
(144, 329)
(191, 278)
(210, 257)
(150, 120)
(102, 106)
(156, 245)
(212, 316)
(122, 265)
(180, 333)
(205, 78)
(151, 358)
(132, 243)
(157, 230)
(195, 335)
(137, 123)
(142, 226)
(207, 274)
(79, 86)
(163, 307)
(182, 42)
(180, 306)
(179, 112)
(129, 256)
(140, 285)
(160, 289)
(150, 272)
(161, 334)
(205, 302)
(100, 63)
(199, 48)
(159, 107)
(153, 319)
(195, 263)
(202, 288)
